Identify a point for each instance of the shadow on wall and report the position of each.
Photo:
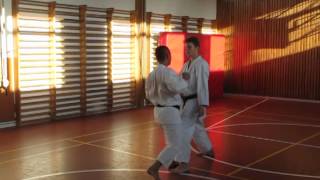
(287, 76)
(271, 43)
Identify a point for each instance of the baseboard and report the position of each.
(275, 98)
(7, 124)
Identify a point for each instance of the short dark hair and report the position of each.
(162, 53)
(193, 40)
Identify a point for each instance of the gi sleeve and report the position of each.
(149, 89)
(175, 83)
(202, 78)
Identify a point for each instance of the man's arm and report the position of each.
(149, 89)
(202, 76)
(174, 82)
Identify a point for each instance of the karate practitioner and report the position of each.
(163, 88)
(196, 101)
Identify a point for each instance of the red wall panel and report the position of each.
(175, 42)
(211, 49)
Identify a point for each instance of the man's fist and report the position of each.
(186, 75)
(203, 112)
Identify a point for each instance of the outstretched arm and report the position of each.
(202, 76)
(149, 89)
(202, 88)
(174, 82)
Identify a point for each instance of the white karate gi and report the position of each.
(163, 87)
(193, 126)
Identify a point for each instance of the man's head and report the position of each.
(163, 55)
(192, 46)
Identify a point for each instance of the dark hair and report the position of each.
(162, 53)
(193, 40)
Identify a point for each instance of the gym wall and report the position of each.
(273, 47)
(76, 60)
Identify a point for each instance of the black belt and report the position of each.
(176, 106)
(186, 98)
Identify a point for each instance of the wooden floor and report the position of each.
(254, 138)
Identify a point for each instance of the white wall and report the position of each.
(193, 8)
(117, 4)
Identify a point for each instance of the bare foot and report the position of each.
(154, 173)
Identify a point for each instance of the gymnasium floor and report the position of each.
(254, 138)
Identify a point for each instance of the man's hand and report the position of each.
(203, 113)
(186, 76)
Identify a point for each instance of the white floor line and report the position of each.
(264, 116)
(124, 134)
(263, 124)
(240, 112)
(258, 170)
(250, 168)
(265, 171)
(265, 139)
(73, 146)
(74, 137)
(190, 175)
(111, 170)
(272, 115)
(273, 98)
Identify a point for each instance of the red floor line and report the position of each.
(286, 115)
(71, 146)
(240, 112)
(114, 170)
(269, 123)
(264, 139)
(78, 136)
(270, 120)
(215, 113)
(149, 158)
(74, 137)
(120, 135)
(274, 153)
(273, 98)
(38, 154)
(263, 170)
(217, 173)
(274, 119)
